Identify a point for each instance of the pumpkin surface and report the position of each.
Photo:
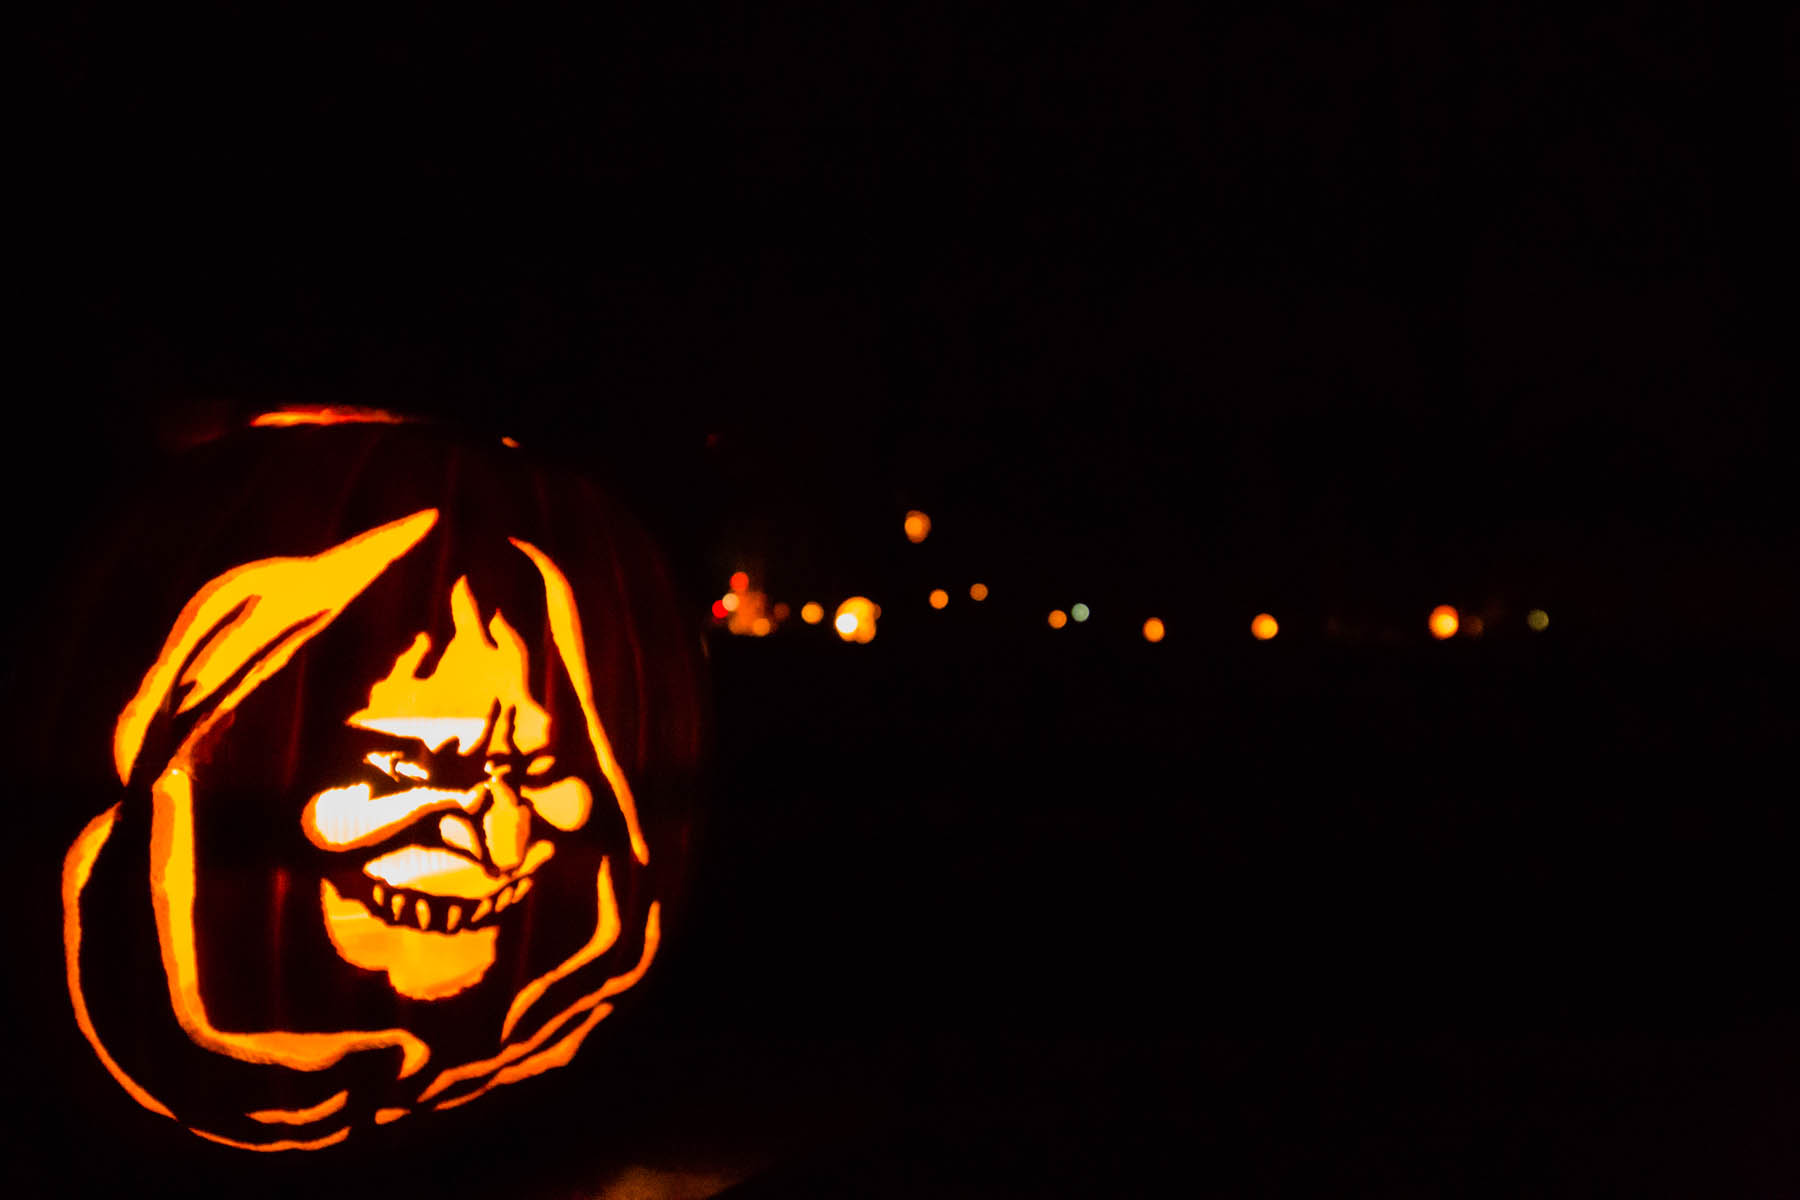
(397, 731)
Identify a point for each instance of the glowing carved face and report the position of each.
(468, 778)
(460, 789)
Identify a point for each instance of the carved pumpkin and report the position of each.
(400, 731)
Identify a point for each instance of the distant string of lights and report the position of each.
(747, 611)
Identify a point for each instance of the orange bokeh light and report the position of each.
(812, 612)
(855, 619)
(1153, 630)
(939, 597)
(729, 602)
(978, 591)
(1444, 622)
(1058, 618)
(740, 581)
(918, 526)
(1263, 627)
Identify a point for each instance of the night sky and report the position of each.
(1309, 310)
(1337, 315)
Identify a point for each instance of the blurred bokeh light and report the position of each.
(1263, 627)
(978, 591)
(1078, 612)
(812, 612)
(918, 526)
(1153, 630)
(855, 619)
(1538, 620)
(939, 597)
(749, 614)
(1444, 622)
(1058, 618)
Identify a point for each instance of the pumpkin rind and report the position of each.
(423, 716)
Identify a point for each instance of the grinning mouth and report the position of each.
(409, 909)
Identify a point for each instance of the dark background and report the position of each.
(1338, 315)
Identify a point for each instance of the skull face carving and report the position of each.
(449, 840)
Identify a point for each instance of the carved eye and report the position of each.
(540, 766)
(389, 763)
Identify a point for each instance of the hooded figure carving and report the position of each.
(428, 825)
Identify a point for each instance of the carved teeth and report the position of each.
(409, 908)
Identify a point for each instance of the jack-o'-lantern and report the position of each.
(404, 730)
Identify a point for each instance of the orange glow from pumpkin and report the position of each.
(173, 884)
(1444, 622)
(565, 632)
(269, 608)
(301, 1116)
(326, 414)
(1263, 627)
(1058, 618)
(233, 635)
(939, 598)
(1153, 630)
(78, 866)
(478, 668)
(978, 591)
(812, 612)
(558, 1055)
(606, 932)
(918, 526)
(285, 1144)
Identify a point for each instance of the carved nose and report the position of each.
(505, 825)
